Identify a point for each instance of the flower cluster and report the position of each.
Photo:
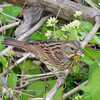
(74, 24)
(52, 21)
(77, 14)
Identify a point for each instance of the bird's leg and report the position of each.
(60, 79)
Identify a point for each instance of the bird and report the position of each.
(57, 54)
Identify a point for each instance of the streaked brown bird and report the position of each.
(56, 54)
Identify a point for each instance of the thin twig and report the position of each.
(40, 75)
(71, 92)
(31, 78)
(27, 82)
(14, 18)
(5, 5)
(3, 28)
(20, 92)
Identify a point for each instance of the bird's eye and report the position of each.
(71, 48)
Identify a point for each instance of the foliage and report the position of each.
(75, 30)
(92, 89)
(53, 29)
(12, 80)
(28, 66)
(3, 63)
(8, 13)
(1, 45)
(58, 95)
(38, 37)
(77, 97)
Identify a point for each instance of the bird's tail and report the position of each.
(19, 44)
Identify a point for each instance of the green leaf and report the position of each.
(91, 56)
(51, 84)
(1, 45)
(95, 40)
(13, 11)
(44, 28)
(40, 88)
(59, 34)
(58, 95)
(92, 90)
(38, 37)
(5, 97)
(37, 88)
(24, 97)
(4, 61)
(86, 59)
(12, 80)
(86, 26)
(77, 97)
(28, 67)
(73, 36)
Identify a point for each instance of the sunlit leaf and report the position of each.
(5, 97)
(95, 40)
(36, 88)
(40, 88)
(92, 58)
(92, 90)
(3, 61)
(1, 45)
(13, 11)
(24, 97)
(86, 26)
(38, 37)
(73, 36)
(58, 95)
(28, 67)
(12, 80)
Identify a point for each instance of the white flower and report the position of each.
(73, 24)
(77, 14)
(65, 28)
(52, 21)
(48, 34)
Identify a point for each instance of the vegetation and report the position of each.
(54, 29)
